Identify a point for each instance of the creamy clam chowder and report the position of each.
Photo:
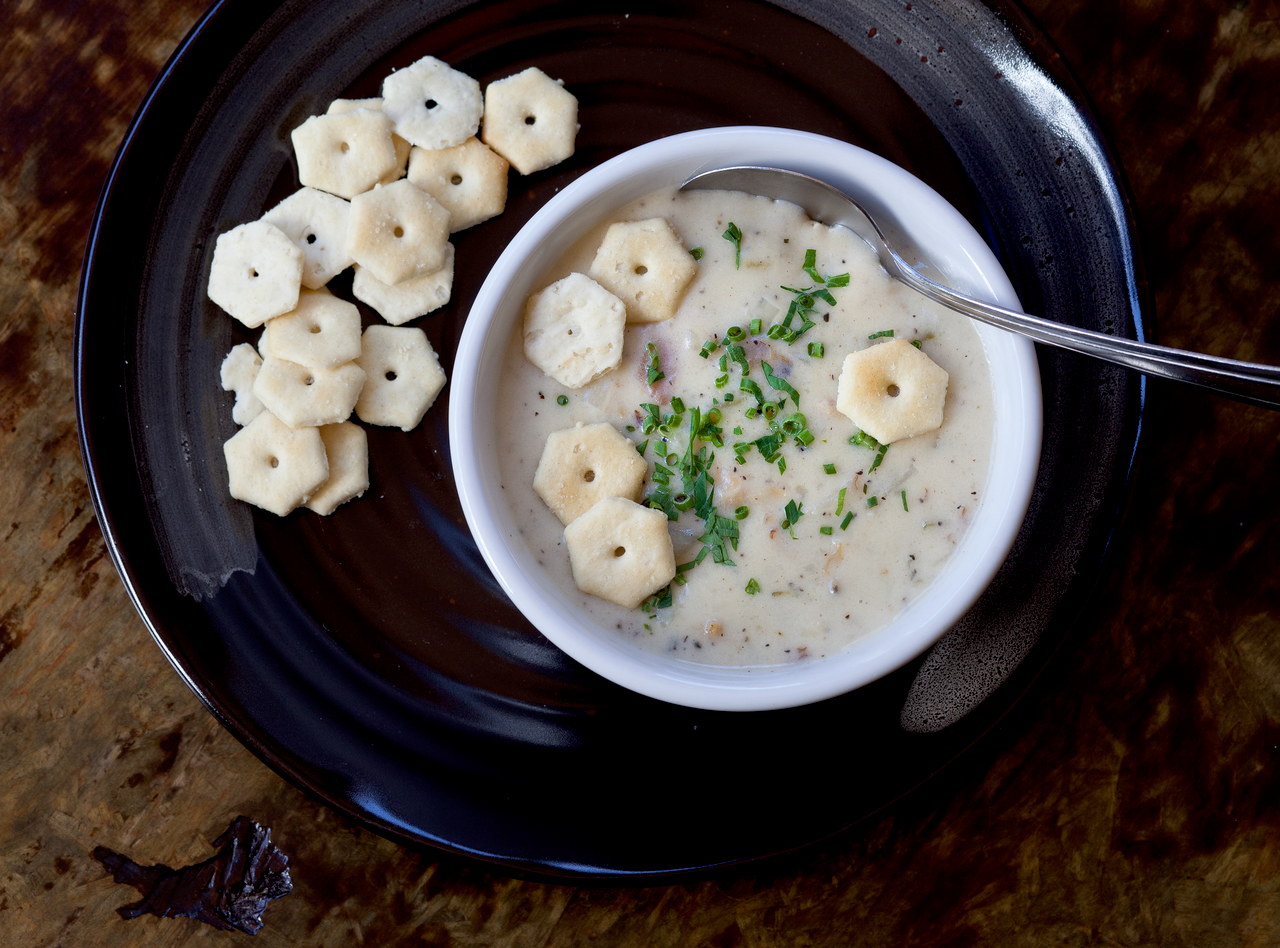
(815, 535)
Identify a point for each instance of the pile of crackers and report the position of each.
(384, 183)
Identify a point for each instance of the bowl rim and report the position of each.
(945, 240)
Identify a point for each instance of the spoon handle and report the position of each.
(1244, 381)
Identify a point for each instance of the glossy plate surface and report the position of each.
(369, 657)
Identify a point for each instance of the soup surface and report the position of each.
(833, 536)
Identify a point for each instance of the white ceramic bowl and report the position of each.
(947, 242)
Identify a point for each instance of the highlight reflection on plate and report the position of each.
(370, 657)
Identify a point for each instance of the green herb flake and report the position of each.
(779, 384)
(872, 501)
(792, 512)
(817, 350)
(904, 500)
(562, 399)
(653, 364)
(829, 468)
(734, 236)
(882, 334)
(848, 519)
(825, 531)
(753, 587)
(696, 252)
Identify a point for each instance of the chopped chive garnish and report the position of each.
(871, 501)
(883, 333)
(659, 600)
(742, 512)
(904, 500)
(779, 384)
(840, 501)
(817, 350)
(918, 344)
(642, 447)
(825, 531)
(753, 587)
(677, 405)
(562, 399)
(811, 265)
(848, 519)
(756, 325)
(735, 333)
(653, 365)
(734, 236)
(880, 453)
(696, 253)
(829, 468)
(751, 388)
(793, 423)
(793, 512)
(708, 347)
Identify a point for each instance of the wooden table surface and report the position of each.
(1133, 800)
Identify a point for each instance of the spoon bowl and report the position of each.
(1245, 381)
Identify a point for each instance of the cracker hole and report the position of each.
(588, 476)
(397, 232)
(530, 119)
(273, 461)
(640, 269)
(253, 274)
(309, 380)
(344, 147)
(893, 391)
(455, 179)
(314, 328)
(430, 104)
(390, 375)
(619, 551)
(311, 238)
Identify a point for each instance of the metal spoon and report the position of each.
(1245, 381)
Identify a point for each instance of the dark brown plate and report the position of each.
(369, 657)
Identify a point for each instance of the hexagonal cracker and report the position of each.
(574, 330)
(347, 448)
(470, 180)
(256, 272)
(306, 397)
(237, 373)
(400, 302)
(403, 377)
(274, 466)
(530, 119)
(398, 231)
(322, 331)
(621, 551)
(892, 391)
(343, 106)
(432, 104)
(344, 154)
(316, 221)
(584, 464)
(646, 266)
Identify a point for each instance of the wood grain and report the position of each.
(1134, 800)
